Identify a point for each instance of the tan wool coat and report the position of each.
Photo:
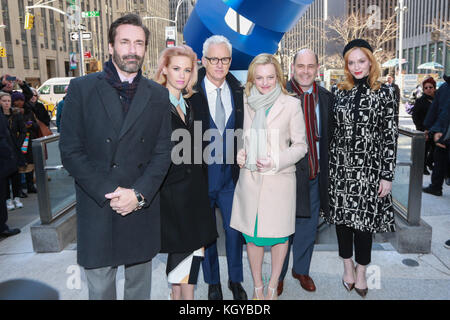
(272, 194)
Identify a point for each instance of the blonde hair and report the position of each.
(164, 61)
(262, 59)
(374, 72)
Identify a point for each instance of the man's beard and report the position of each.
(128, 67)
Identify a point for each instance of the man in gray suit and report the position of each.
(312, 170)
(115, 142)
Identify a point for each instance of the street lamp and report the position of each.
(169, 20)
(401, 11)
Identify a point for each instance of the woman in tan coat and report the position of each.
(265, 196)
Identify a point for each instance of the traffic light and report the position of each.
(29, 21)
(2, 52)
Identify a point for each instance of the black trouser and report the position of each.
(440, 168)
(3, 209)
(363, 244)
(429, 151)
(13, 181)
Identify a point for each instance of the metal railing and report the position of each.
(407, 185)
(56, 192)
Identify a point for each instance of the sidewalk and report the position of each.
(389, 276)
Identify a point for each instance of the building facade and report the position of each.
(311, 30)
(421, 42)
(44, 52)
(47, 51)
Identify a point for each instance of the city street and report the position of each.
(391, 276)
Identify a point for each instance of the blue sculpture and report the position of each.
(271, 18)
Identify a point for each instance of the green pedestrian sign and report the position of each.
(90, 14)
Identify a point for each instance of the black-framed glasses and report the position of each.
(214, 60)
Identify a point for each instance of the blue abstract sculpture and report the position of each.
(271, 18)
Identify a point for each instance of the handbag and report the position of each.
(44, 131)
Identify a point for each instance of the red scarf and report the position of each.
(309, 102)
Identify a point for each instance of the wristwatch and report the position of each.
(141, 200)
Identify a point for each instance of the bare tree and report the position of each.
(341, 30)
(443, 30)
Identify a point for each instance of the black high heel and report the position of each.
(348, 286)
(361, 292)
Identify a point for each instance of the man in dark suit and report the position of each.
(115, 142)
(8, 165)
(218, 104)
(312, 170)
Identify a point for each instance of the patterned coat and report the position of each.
(362, 152)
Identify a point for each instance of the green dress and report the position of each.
(259, 241)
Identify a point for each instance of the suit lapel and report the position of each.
(111, 103)
(138, 105)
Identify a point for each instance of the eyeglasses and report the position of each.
(215, 61)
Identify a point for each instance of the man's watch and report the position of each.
(141, 200)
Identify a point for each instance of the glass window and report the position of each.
(59, 89)
(416, 58)
(44, 90)
(410, 60)
(432, 53)
(424, 54)
(440, 52)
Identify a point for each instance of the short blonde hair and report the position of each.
(374, 73)
(164, 61)
(262, 59)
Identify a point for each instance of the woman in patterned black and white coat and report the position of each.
(362, 161)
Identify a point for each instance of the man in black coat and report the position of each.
(312, 170)
(218, 105)
(115, 142)
(8, 165)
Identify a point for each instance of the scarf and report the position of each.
(260, 103)
(309, 102)
(125, 89)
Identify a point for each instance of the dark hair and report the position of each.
(131, 19)
(430, 81)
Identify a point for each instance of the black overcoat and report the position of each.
(303, 209)
(186, 220)
(103, 149)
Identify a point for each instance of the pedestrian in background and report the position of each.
(8, 165)
(59, 110)
(435, 122)
(187, 225)
(419, 112)
(274, 141)
(16, 128)
(32, 127)
(362, 161)
(38, 108)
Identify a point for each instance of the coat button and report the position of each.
(142, 140)
(114, 165)
(188, 170)
(108, 140)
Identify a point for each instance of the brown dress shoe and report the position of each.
(280, 287)
(305, 281)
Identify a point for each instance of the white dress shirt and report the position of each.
(211, 95)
